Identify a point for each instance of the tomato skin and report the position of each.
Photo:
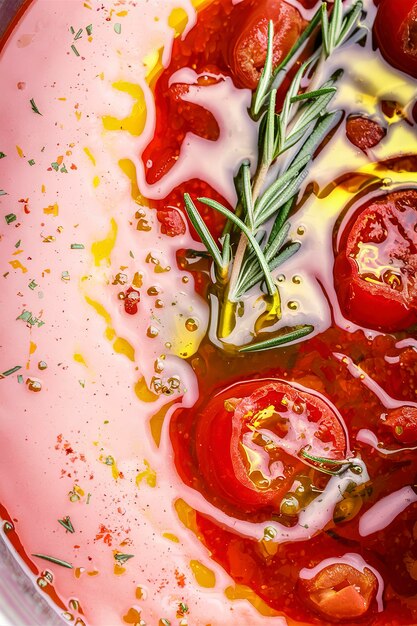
(385, 227)
(339, 591)
(247, 48)
(363, 132)
(221, 432)
(395, 31)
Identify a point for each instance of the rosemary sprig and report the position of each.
(255, 239)
(53, 559)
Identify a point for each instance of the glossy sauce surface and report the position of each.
(118, 316)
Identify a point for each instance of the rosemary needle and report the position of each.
(53, 559)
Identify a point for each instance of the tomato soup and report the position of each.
(209, 310)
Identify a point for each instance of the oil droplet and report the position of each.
(153, 291)
(152, 332)
(159, 364)
(152, 259)
(159, 304)
(42, 583)
(7, 527)
(293, 305)
(191, 324)
(73, 604)
(121, 295)
(68, 616)
(185, 279)
(34, 385)
(281, 278)
(42, 365)
(297, 280)
(48, 576)
(289, 505)
(120, 279)
(301, 230)
(204, 576)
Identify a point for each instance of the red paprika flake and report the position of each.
(131, 301)
(363, 132)
(172, 222)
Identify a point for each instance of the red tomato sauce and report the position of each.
(203, 437)
(313, 364)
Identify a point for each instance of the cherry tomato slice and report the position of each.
(375, 268)
(395, 31)
(247, 48)
(339, 591)
(363, 132)
(249, 438)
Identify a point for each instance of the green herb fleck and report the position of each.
(10, 217)
(3, 193)
(32, 285)
(117, 28)
(20, 379)
(77, 246)
(11, 371)
(82, 383)
(67, 524)
(27, 316)
(78, 35)
(55, 166)
(75, 51)
(64, 169)
(17, 244)
(34, 107)
(52, 559)
(31, 162)
(123, 558)
(88, 498)
(72, 30)
(89, 29)
(2, 155)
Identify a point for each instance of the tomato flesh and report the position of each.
(247, 49)
(376, 266)
(395, 31)
(248, 446)
(339, 591)
(363, 132)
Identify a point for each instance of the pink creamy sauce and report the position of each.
(87, 429)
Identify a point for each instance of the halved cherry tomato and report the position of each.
(375, 270)
(395, 31)
(363, 132)
(247, 48)
(249, 438)
(339, 591)
(402, 423)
